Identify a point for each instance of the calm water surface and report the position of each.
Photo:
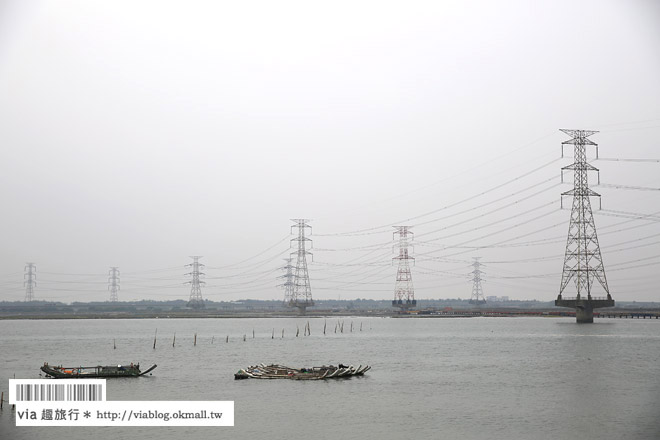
(460, 378)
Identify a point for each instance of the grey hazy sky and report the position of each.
(138, 133)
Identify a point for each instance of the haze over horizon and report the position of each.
(137, 134)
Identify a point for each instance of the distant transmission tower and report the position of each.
(302, 290)
(477, 292)
(196, 301)
(404, 293)
(30, 282)
(289, 283)
(583, 261)
(113, 283)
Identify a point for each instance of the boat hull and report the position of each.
(316, 373)
(94, 372)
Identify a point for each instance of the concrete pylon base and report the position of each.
(404, 306)
(584, 308)
(584, 315)
(301, 306)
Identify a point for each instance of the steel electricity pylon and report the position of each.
(30, 281)
(113, 283)
(477, 291)
(302, 290)
(196, 301)
(404, 293)
(583, 262)
(289, 281)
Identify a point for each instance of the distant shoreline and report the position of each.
(208, 314)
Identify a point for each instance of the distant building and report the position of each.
(492, 299)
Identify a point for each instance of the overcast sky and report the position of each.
(138, 133)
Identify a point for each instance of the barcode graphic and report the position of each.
(58, 392)
(33, 392)
(83, 392)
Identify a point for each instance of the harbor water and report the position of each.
(458, 378)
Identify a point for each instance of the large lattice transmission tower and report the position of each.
(289, 281)
(113, 283)
(302, 290)
(30, 281)
(477, 291)
(583, 262)
(196, 301)
(404, 292)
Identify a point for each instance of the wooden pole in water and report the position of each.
(309, 329)
(243, 338)
(174, 339)
(360, 325)
(297, 331)
(324, 324)
(114, 344)
(2, 399)
(282, 333)
(155, 334)
(212, 339)
(252, 333)
(195, 341)
(227, 338)
(351, 326)
(273, 335)
(336, 327)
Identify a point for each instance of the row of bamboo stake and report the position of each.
(307, 331)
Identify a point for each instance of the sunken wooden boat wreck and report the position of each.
(60, 372)
(273, 371)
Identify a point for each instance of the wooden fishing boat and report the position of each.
(274, 371)
(60, 372)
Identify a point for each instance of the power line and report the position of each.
(618, 159)
(282, 240)
(630, 215)
(410, 219)
(522, 223)
(482, 226)
(636, 188)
